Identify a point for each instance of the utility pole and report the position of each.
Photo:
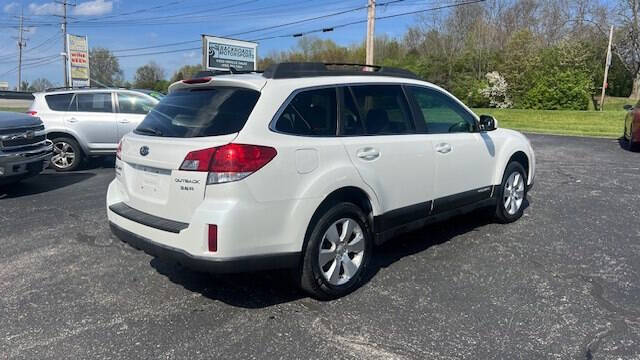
(606, 69)
(64, 4)
(371, 29)
(21, 44)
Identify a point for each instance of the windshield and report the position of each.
(199, 112)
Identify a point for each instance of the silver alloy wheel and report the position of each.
(341, 251)
(513, 194)
(64, 155)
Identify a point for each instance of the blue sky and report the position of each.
(125, 24)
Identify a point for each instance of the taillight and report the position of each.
(231, 162)
(119, 151)
(198, 80)
(32, 113)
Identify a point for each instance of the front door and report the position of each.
(464, 157)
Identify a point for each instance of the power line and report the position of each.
(331, 28)
(30, 66)
(159, 52)
(156, 46)
(261, 29)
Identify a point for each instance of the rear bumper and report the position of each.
(207, 264)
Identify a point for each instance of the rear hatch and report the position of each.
(185, 121)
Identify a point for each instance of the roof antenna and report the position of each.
(233, 70)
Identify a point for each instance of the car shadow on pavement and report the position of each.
(246, 290)
(42, 183)
(264, 289)
(100, 162)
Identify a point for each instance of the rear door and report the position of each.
(379, 135)
(132, 109)
(464, 157)
(186, 120)
(92, 116)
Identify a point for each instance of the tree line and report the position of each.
(538, 54)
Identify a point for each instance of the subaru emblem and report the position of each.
(144, 151)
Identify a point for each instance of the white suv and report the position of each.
(308, 166)
(89, 122)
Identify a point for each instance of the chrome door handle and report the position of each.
(72, 120)
(124, 121)
(368, 154)
(444, 148)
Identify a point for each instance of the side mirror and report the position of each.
(487, 123)
(628, 107)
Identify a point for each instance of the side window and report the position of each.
(59, 102)
(384, 109)
(440, 113)
(94, 102)
(134, 104)
(312, 113)
(352, 123)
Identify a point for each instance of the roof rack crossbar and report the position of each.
(313, 69)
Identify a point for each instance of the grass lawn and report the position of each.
(608, 123)
(21, 110)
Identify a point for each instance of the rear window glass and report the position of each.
(200, 112)
(312, 112)
(59, 102)
(94, 102)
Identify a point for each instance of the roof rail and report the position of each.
(86, 87)
(293, 70)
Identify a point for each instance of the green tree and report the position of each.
(185, 72)
(39, 85)
(104, 68)
(520, 61)
(148, 76)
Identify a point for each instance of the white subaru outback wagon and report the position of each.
(308, 166)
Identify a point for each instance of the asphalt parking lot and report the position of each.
(561, 283)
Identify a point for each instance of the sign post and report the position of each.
(221, 54)
(78, 60)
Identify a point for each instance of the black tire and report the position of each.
(309, 276)
(77, 150)
(502, 214)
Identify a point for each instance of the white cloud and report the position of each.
(10, 7)
(93, 8)
(45, 9)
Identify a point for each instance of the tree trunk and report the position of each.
(635, 91)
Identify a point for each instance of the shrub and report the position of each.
(559, 90)
(469, 91)
(497, 91)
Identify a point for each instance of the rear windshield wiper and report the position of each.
(148, 130)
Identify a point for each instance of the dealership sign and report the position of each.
(221, 54)
(78, 60)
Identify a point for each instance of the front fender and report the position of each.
(508, 143)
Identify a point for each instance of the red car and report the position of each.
(632, 127)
